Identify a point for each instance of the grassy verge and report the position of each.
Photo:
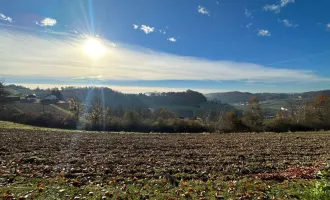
(162, 188)
(5, 124)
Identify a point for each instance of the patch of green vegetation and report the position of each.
(5, 124)
(156, 188)
(321, 189)
(13, 125)
(61, 109)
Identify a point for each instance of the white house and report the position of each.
(31, 97)
(50, 97)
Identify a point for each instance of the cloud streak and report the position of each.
(5, 18)
(28, 55)
(287, 23)
(276, 8)
(248, 14)
(248, 25)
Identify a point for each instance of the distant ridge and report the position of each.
(240, 97)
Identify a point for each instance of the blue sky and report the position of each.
(147, 45)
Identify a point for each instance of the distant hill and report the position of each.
(185, 103)
(242, 97)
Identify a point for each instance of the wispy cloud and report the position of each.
(277, 7)
(273, 7)
(5, 18)
(172, 39)
(203, 11)
(53, 57)
(162, 31)
(74, 31)
(248, 25)
(47, 22)
(285, 2)
(147, 29)
(135, 26)
(248, 14)
(287, 23)
(328, 26)
(263, 32)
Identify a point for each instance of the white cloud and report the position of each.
(203, 10)
(47, 22)
(147, 29)
(135, 26)
(123, 89)
(172, 39)
(277, 7)
(287, 23)
(5, 18)
(63, 59)
(328, 26)
(263, 32)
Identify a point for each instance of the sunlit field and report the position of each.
(49, 164)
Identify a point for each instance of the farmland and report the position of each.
(40, 108)
(44, 163)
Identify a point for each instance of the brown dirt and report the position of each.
(36, 153)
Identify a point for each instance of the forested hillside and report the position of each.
(186, 104)
(242, 97)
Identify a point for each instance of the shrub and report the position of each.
(321, 189)
(230, 122)
(285, 124)
(187, 126)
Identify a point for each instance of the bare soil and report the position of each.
(91, 155)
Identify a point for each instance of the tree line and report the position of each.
(98, 115)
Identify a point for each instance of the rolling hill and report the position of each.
(242, 97)
(272, 102)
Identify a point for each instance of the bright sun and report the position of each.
(93, 47)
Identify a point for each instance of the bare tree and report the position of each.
(97, 113)
(76, 108)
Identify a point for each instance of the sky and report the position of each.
(167, 45)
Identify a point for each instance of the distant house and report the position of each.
(31, 97)
(51, 97)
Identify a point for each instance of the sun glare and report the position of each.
(93, 47)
